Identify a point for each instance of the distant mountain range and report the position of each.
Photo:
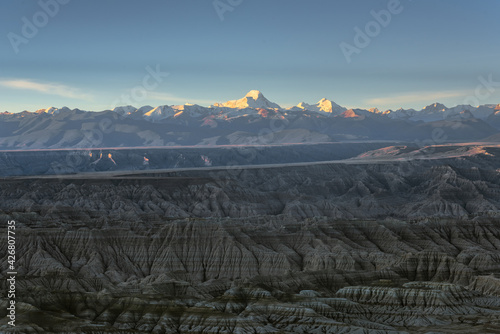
(251, 120)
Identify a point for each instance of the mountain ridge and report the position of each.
(252, 120)
(255, 100)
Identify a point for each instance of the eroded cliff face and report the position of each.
(272, 274)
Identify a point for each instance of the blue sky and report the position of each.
(94, 54)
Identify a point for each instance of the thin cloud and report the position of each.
(172, 98)
(46, 88)
(427, 97)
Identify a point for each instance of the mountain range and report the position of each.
(250, 120)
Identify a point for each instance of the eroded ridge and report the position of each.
(258, 275)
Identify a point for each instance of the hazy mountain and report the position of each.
(125, 110)
(438, 111)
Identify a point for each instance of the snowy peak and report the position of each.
(160, 112)
(304, 106)
(254, 103)
(163, 112)
(349, 114)
(460, 108)
(323, 106)
(255, 94)
(253, 99)
(189, 110)
(52, 110)
(329, 106)
(353, 113)
(435, 107)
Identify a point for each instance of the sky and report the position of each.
(98, 54)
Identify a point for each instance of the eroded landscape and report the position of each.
(398, 239)
(149, 186)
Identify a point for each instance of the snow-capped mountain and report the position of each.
(323, 106)
(438, 111)
(166, 112)
(436, 107)
(53, 110)
(256, 104)
(355, 113)
(159, 113)
(252, 119)
(254, 99)
(404, 114)
(189, 110)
